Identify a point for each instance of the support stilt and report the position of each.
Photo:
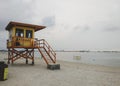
(26, 61)
(15, 54)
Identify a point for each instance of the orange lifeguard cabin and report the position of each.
(21, 43)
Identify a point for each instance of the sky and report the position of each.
(71, 24)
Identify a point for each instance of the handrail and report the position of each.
(48, 46)
(42, 43)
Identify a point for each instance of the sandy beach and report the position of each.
(70, 74)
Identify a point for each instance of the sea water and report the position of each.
(97, 58)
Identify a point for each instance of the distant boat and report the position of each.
(76, 57)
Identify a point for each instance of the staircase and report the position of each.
(46, 51)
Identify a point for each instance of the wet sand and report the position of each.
(70, 74)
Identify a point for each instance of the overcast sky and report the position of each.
(71, 24)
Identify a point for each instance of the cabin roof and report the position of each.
(35, 27)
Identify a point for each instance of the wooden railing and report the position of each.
(48, 49)
(20, 42)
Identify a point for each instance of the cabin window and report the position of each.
(19, 32)
(28, 33)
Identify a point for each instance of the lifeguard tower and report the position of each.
(21, 43)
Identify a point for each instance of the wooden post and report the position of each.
(12, 56)
(33, 56)
(8, 56)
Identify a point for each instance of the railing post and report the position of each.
(48, 49)
(43, 42)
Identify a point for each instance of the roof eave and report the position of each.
(12, 24)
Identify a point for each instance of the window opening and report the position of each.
(28, 33)
(19, 32)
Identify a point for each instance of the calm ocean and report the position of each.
(100, 58)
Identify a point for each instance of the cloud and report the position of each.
(111, 29)
(77, 27)
(3, 38)
(48, 21)
(82, 28)
(2, 25)
(86, 28)
(15, 10)
(108, 27)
